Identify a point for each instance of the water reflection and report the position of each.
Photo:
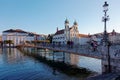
(11, 55)
(14, 65)
(85, 62)
(92, 64)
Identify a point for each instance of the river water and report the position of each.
(14, 65)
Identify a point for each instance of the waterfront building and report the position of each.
(114, 37)
(66, 34)
(69, 34)
(18, 36)
(83, 39)
(111, 53)
(113, 49)
(97, 38)
(59, 37)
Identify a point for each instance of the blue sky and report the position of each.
(43, 16)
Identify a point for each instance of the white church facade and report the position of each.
(69, 34)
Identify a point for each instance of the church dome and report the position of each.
(66, 21)
(75, 23)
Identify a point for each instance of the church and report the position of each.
(68, 34)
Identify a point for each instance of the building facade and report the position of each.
(18, 36)
(114, 37)
(83, 39)
(67, 34)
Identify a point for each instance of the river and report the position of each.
(14, 65)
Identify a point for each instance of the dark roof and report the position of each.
(60, 32)
(70, 28)
(15, 30)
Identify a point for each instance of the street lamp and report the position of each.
(105, 18)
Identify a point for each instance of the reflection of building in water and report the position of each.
(0, 51)
(12, 55)
(85, 62)
(67, 58)
(74, 59)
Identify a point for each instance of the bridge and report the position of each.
(83, 50)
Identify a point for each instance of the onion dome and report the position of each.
(66, 21)
(75, 23)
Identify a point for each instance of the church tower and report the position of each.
(75, 31)
(66, 24)
(75, 24)
(67, 31)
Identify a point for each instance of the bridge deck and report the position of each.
(83, 51)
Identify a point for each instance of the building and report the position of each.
(83, 39)
(67, 34)
(114, 37)
(98, 37)
(110, 53)
(18, 36)
(70, 34)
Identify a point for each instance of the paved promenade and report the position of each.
(83, 50)
(110, 76)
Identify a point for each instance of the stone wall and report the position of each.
(114, 52)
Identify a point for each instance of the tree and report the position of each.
(8, 42)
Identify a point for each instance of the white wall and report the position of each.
(16, 37)
(59, 38)
(83, 40)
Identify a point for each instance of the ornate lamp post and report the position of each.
(105, 18)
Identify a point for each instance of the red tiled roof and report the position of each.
(83, 35)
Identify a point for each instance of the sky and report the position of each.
(44, 16)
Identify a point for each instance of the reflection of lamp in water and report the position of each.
(54, 71)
